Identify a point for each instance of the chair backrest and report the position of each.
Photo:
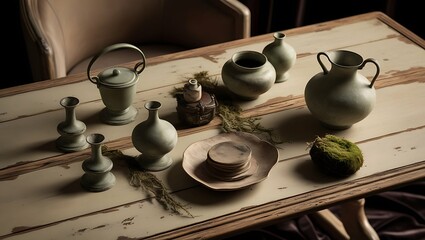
(62, 34)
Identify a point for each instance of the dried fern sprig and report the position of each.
(147, 181)
(233, 121)
(230, 114)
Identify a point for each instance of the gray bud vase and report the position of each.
(154, 138)
(281, 55)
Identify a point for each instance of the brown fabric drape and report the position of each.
(395, 215)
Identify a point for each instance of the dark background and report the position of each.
(267, 16)
(275, 15)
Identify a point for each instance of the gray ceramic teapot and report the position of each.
(117, 86)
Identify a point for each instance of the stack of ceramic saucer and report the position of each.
(230, 161)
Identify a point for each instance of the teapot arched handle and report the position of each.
(138, 68)
(325, 70)
(378, 69)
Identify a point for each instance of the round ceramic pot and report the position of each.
(248, 74)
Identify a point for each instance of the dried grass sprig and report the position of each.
(147, 181)
(231, 115)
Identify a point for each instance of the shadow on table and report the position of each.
(301, 127)
(72, 187)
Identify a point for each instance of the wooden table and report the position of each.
(40, 194)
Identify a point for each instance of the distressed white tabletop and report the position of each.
(40, 195)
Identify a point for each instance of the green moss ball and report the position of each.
(336, 156)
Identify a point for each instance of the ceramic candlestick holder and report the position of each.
(72, 131)
(97, 168)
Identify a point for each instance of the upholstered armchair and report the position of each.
(63, 35)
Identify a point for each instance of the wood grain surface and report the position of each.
(40, 193)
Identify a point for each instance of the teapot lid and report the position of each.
(118, 77)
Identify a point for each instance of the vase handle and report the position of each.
(378, 69)
(325, 70)
(138, 68)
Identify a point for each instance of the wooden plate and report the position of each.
(264, 154)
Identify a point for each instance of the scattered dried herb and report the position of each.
(232, 121)
(146, 181)
(231, 115)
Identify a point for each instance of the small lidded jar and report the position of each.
(192, 91)
(195, 107)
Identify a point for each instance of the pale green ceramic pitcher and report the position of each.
(341, 96)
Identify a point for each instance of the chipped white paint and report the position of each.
(48, 203)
